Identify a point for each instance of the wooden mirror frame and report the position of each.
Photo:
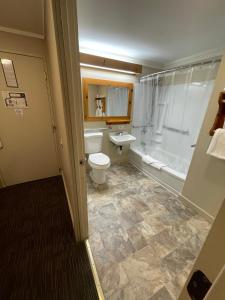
(108, 119)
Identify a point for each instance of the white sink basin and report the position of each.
(121, 139)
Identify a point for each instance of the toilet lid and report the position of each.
(99, 159)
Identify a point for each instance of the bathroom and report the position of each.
(142, 123)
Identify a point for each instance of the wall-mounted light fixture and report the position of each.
(109, 64)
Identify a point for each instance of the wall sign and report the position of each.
(14, 100)
(9, 72)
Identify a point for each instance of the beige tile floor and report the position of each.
(143, 239)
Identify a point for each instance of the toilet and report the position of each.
(98, 161)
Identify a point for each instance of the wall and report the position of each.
(57, 97)
(108, 147)
(148, 70)
(211, 258)
(204, 185)
(11, 42)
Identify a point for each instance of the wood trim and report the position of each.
(117, 121)
(22, 32)
(108, 119)
(94, 271)
(99, 61)
(65, 20)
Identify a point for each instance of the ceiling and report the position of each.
(152, 30)
(23, 15)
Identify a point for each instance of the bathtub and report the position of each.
(171, 179)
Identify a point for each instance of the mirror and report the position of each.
(107, 100)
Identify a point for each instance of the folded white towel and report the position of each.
(148, 159)
(158, 165)
(217, 145)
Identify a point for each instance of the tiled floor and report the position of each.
(144, 240)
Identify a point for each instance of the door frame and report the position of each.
(66, 31)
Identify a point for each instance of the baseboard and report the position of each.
(68, 198)
(201, 211)
(94, 271)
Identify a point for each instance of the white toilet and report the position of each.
(98, 161)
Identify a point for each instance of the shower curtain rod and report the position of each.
(181, 67)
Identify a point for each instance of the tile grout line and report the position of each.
(94, 271)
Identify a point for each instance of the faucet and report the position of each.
(119, 133)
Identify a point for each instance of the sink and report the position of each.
(122, 138)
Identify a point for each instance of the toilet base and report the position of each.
(98, 176)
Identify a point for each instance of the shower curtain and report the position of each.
(116, 102)
(168, 112)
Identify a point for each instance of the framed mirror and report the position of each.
(105, 100)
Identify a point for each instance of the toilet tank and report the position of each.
(93, 142)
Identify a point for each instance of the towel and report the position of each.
(217, 145)
(158, 165)
(148, 159)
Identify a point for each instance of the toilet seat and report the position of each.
(99, 161)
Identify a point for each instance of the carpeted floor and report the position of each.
(39, 257)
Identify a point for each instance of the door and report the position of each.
(27, 141)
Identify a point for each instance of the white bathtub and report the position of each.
(172, 179)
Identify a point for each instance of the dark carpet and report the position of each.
(39, 257)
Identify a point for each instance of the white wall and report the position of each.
(211, 258)
(205, 184)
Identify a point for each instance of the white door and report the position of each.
(27, 144)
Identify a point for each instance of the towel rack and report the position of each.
(220, 116)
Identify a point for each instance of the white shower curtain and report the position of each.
(117, 102)
(168, 113)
